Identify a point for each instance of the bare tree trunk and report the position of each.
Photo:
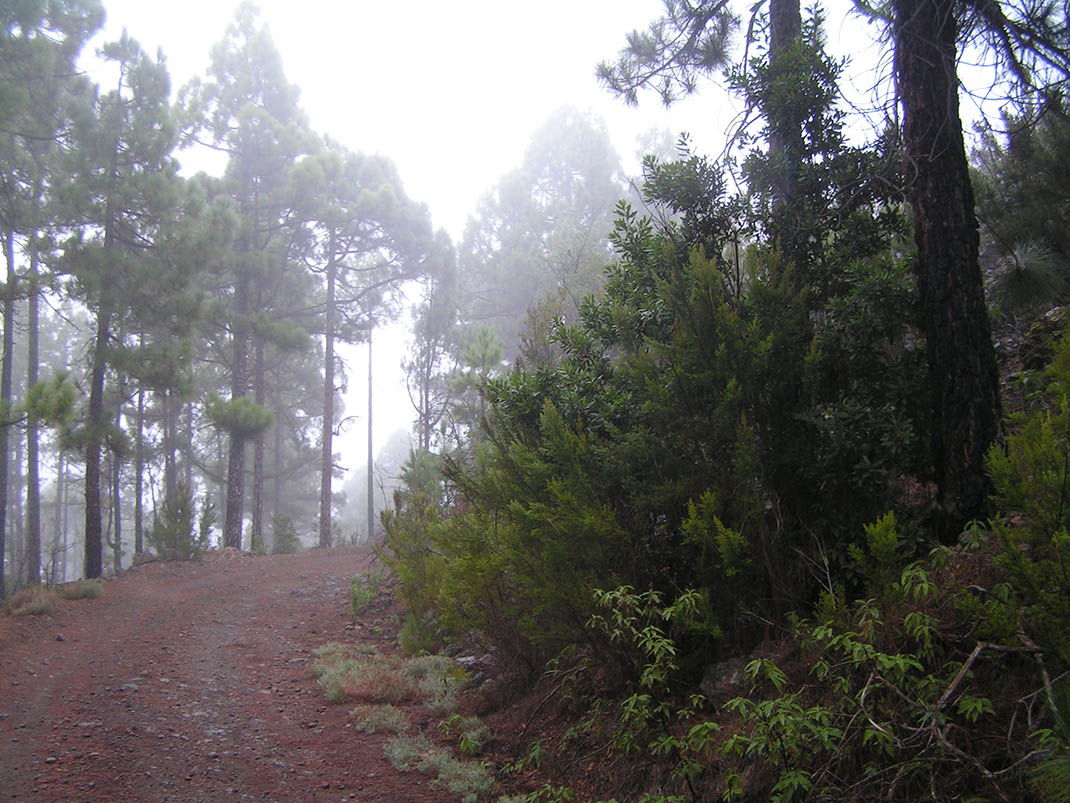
(116, 497)
(59, 537)
(33, 480)
(371, 459)
(139, 474)
(232, 528)
(329, 390)
(5, 394)
(963, 377)
(94, 542)
(257, 536)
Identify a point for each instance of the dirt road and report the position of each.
(191, 682)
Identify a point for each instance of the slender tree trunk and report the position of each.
(17, 481)
(276, 482)
(33, 480)
(257, 537)
(327, 446)
(170, 469)
(785, 26)
(963, 377)
(5, 395)
(232, 528)
(139, 474)
(187, 454)
(116, 497)
(97, 423)
(371, 459)
(59, 568)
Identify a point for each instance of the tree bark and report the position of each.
(327, 446)
(257, 535)
(5, 394)
(785, 27)
(232, 528)
(33, 480)
(139, 474)
(962, 373)
(94, 540)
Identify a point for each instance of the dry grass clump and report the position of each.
(382, 718)
(472, 780)
(82, 589)
(32, 601)
(348, 674)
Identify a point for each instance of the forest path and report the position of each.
(192, 682)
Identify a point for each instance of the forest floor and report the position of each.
(193, 681)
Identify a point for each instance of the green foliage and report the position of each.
(172, 534)
(241, 416)
(638, 625)
(1021, 181)
(284, 535)
(742, 397)
(1051, 777)
(363, 591)
(470, 732)
(410, 551)
(1031, 478)
(52, 401)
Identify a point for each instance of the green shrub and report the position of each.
(410, 551)
(363, 591)
(1031, 476)
(172, 534)
(471, 733)
(284, 535)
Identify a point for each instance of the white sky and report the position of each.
(451, 91)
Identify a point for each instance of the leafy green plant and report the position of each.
(470, 732)
(363, 591)
(649, 721)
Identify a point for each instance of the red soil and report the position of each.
(192, 682)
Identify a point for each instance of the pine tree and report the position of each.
(124, 186)
(249, 111)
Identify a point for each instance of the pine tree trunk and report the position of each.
(327, 446)
(139, 474)
(116, 497)
(963, 378)
(94, 538)
(6, 370)
(59, 537)
(232, 528)
(170, 470)
(33, 480)
(257, 537)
